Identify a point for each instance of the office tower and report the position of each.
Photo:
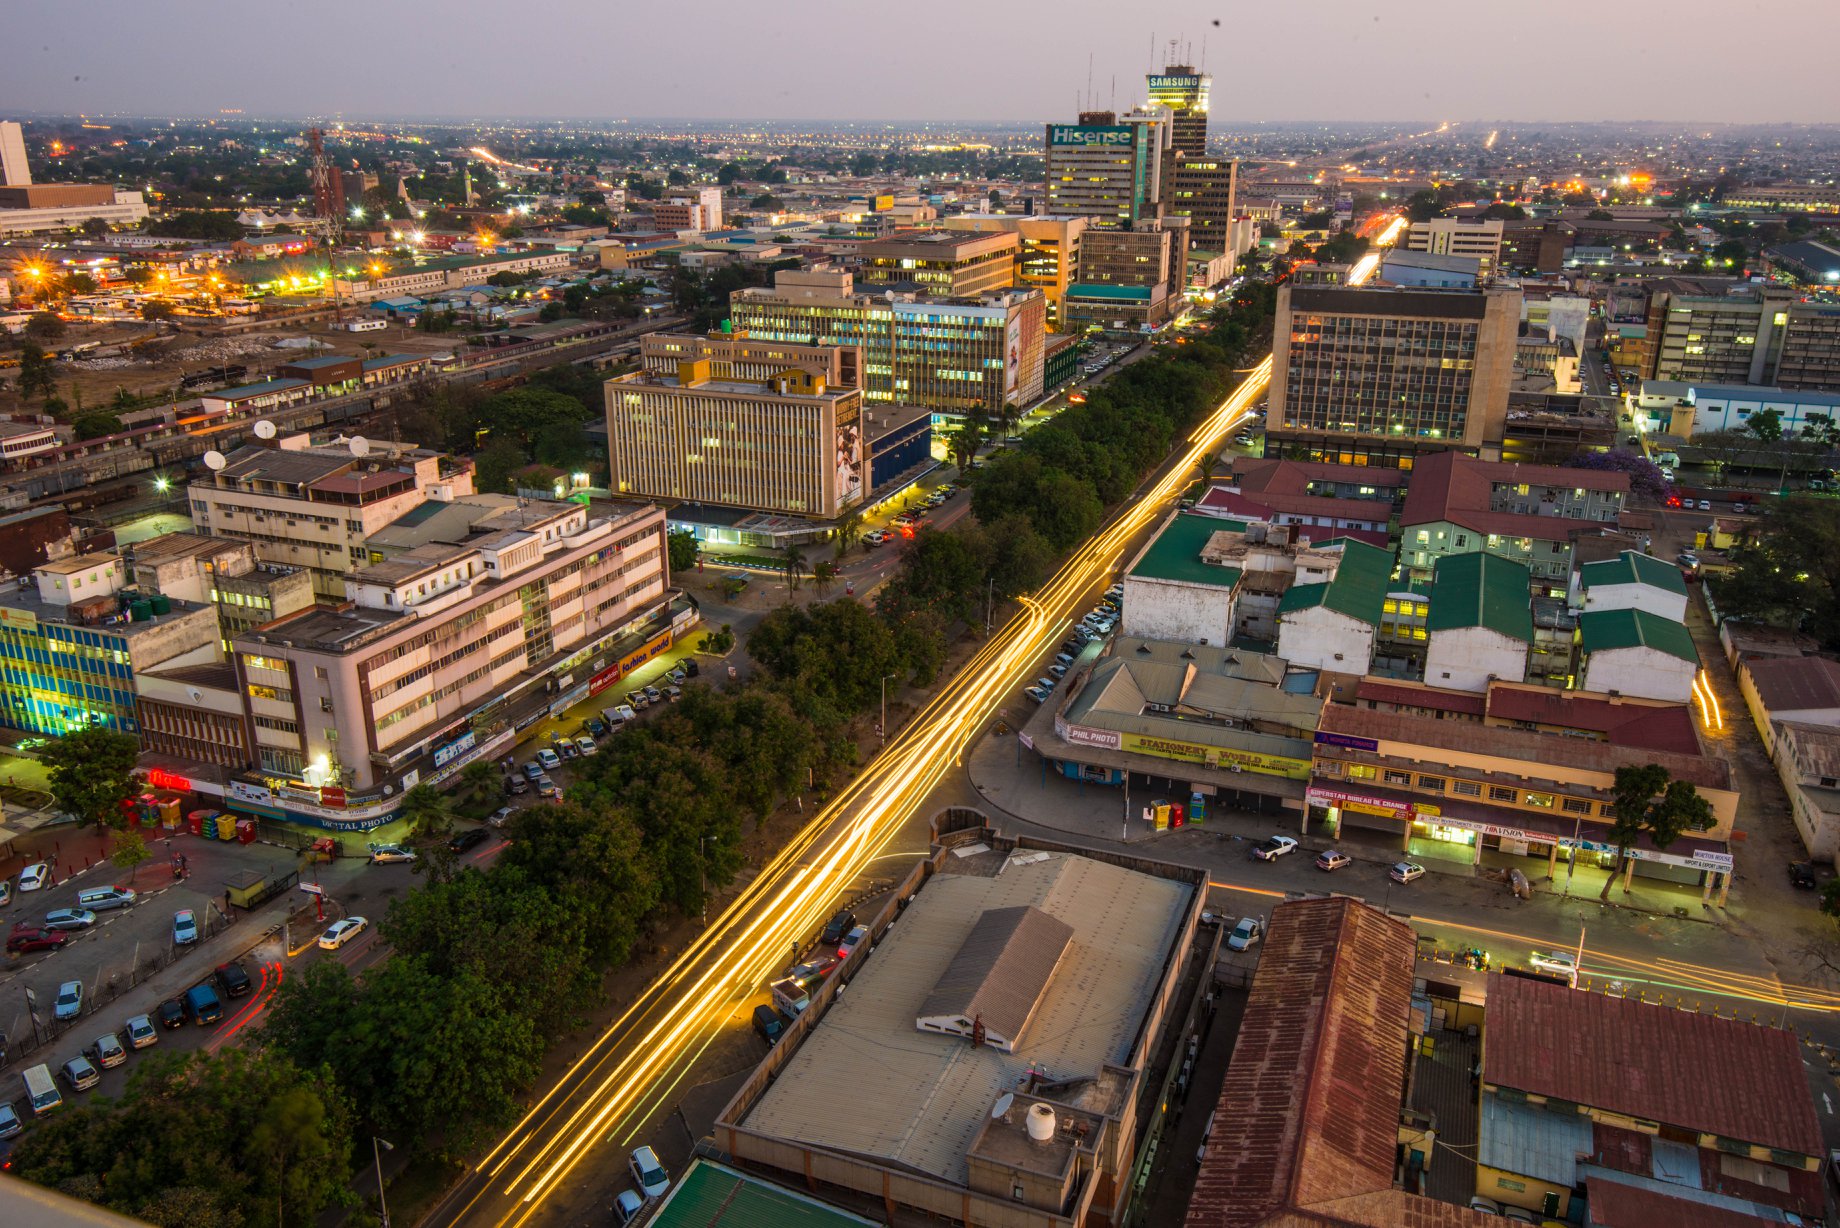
(1378, 375)
(1129, 277)
(1195, 185)
(1748, 335)
(941, 262)
(14, 172)
(950, 355)
(1049, 256)
(1183, 92)
(1478, 238)
(1104, 169)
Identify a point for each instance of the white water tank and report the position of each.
(1041, 1123)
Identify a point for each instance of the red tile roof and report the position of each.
(1616, 1205)
(1309, 1112)
(1255, 473)
(1453, 488)
(1667, 727)
(1267, 505)
(1412, 695)
(1715, 1076)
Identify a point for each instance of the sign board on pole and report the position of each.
(313, 889)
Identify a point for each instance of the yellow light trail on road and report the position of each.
(787, 899)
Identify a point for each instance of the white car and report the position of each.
(549, 759)
(341, 932)
(1274, 848)
(653, 1181)
(626, 1207)
(1559, 963)
(1405, 871)
(852, 940)
(1037, 694)
(34, 876)
(1245, 934)
(185, 927)
(141, 1032)
(383, 854)
(69, 1001)
(586, 745)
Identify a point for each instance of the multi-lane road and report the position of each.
(633, 1068)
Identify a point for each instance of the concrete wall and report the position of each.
(1645, 672)
(1671, 606)
(1171, 610)
(1321, 638)
(1469, 658)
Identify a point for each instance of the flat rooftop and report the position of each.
(867, 1081)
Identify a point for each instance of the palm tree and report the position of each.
(824, 575)
(1206, 466)
(963, 443)
(794, 565)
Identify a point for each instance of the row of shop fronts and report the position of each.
(1456, 830)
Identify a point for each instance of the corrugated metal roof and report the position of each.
(1532, 1140)
(1605, 630)
(1000, 972)
(1176, 553)
(1632, 567)
(1481, 590)
(711, 1195)
(1795, 684)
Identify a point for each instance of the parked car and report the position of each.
(626, 1207)
(637, 700)
(468, 838)
(514, 785)
(10, 1126)
(1274, 848)
(875, 537)
(548, 789)
(548, 759)
(851, 941)
(1740, 509)
(141, 1032)
(69, 919)
(171, 1014)
(770, 1023)
(1558, 963)
(79, 1075)
(1406, 872)
(234, 979)
(1246, 934)
(649, 1173)
(341, 932)
(1519, 1215)
(69, 1000)
(1037, 694)
(596, 727)
(34, 876)
(499, 817)
(586, 745)
(1045, 683)
(1057, 671)
(27, 938)
(1331, 859)
(678, 677)
(1705, 505)
(839, 925)
(653, 694)
(626, 712)
(202, 1005)
(1801, 873)
(568, 749)
(185, 927)
(532, 770)
(690, 667)
(673, 693)
(106, 1051)
(386, 854)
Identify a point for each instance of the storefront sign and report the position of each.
(160, 778)
(651, 648)
(459, 746)
(1218, 756)
(1079, 735)
(1346, 740)
(604, 679)
(255, 795)
(332, 795)
(1371, 805)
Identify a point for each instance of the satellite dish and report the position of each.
(214, 460)
(265, 429)
(360, 446)
(1002, 1105)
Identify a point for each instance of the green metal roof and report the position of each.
(1302, 597)
(1176, 552)
(1481, 590)
(1632, 567)
(1358, 590)
(712, 1196)
(1599, 630)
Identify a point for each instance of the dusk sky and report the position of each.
(1690, 60)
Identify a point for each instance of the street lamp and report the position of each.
(383, 1208)
(884, 724)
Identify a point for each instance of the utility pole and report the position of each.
(1578, 966)
(884, 725)
(702, 877)
(989, 588)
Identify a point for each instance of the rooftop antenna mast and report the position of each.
(1114, 91)
(1203, 64)
(1089, 68)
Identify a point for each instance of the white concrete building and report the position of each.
(1172, 593)
(1451, 236)
(1480, 623)
(123, 209)
(1331, 626)
(1630, 581)
(1807, 758)
(1634, 652)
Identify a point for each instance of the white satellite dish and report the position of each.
(360, 446)
(214, 460)
(1002, 1105)
(265, 429)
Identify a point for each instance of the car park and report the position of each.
(770, 1023)
(1274, 848)
(69, 1001)
(27, 938)
(34, 876)
(1246, 934)
(649, 1173)
(1331, 859)
(233, 978)
(185, 927)
(69, 919)
(106, 1051)
(386, 854)
(851, 941)
(79, 1075)
(1406, 872)
(141, 1032)
(548, 759)
(341, 932)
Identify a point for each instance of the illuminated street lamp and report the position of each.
(162, 484)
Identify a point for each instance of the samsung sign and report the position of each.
(1092, 135)
(1175, 83)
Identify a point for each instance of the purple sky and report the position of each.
(948, 59)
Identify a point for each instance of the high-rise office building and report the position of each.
(1049, 256)
(1377, 375)
(941, 262)
(1183, 92)
(14, 171)
(1746, 335)
(1106, 169)
(1195, 185)
(714, 431)
(956, 356)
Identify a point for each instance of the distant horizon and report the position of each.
(834, 61)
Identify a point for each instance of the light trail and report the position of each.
(624, 1076)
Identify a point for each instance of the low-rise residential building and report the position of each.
(1634, 652)
(1803, 690)
(1334, 498)
(1479, 624)
(1807, 758)
(1330, 624)
(1531, 514)
(1477, 238)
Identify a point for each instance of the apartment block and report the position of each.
(944, 263)
(957, 356)
(224, 573)
(1047, 255)
(313, 507)
(1530, 514)
(1380, 375)
(1760, 335)
(1477, 238)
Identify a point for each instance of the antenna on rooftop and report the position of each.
(265, 429)
(1002, 1105)
(1089, 68)
(214, 460)
(359, 445)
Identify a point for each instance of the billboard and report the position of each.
(1174, 85)
(1091, 136)
(850, 460)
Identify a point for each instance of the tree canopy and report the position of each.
(92, 773)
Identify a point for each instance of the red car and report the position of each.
(26, 938)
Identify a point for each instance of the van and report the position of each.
(41, 1090)
(789, 996)
(99, 899)
(202, 1006)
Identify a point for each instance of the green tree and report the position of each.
(1207, 467)
(480, 778)
(157, 309)
(963, 442)
(129, 850)
(1767, 425)
(431, 822)
(1645, 800)
(824, 575)
(95, 424)
(92, 773)
(793, 563)
(1789, 572)
(37, 377)
(682, 547)
(766, 202)
(494, 465)
(95, 227)
(849, 531)
(79, 283)
(45, 326)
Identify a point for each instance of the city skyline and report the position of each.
(1353, 58)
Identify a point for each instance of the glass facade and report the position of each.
(55, 678)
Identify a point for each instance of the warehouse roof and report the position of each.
(1481, 590)
(1795, 684)
(1000, 972)
(1605, 630)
